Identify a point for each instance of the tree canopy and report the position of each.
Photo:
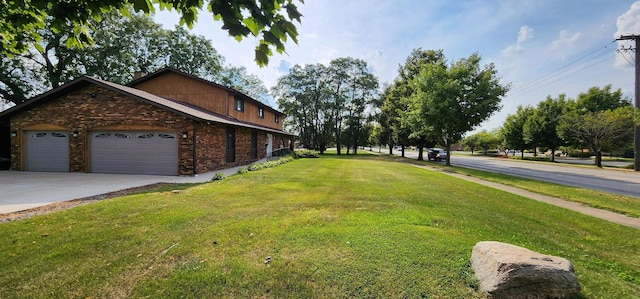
(454, 99)
(271, 21)
(483, 139)
(601, 130)
(512, 131)
(328, 104)
(540, 129)
(401, 123)
(599, 119)
(123, 45)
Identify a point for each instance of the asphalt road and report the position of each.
(612, 181)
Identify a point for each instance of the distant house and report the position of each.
(164, 123)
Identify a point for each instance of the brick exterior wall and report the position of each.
(97, 108)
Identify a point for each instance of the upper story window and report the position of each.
(239, 104)
(277, 118)
(260, 112)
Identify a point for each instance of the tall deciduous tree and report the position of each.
(419, 133)
(122, 46)
(303, 95)
(472, 142)
(483, 139)
(455, 99)
(512, 131)
(269, 21)
(328, 104)
(600, 119)
(362, 92)
(352, 88)
(540, 129)
(603, 130)
(402, 125)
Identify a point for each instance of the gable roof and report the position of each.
(143, 96)
(168, 70)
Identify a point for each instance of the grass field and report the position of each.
(613, 202)
(359, 226)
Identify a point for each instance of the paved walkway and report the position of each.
(598, 213)
(23, 190)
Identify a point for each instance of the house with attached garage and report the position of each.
(163, 123)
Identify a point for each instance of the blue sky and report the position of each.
(540, 47)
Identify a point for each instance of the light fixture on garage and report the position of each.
(184, 135)
(14, 133)
(74, 134)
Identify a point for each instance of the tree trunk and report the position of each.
(447, 148)
(420, 151)
(598, 159)
(553, 155)
(521, 154)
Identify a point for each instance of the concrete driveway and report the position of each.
(21, 190)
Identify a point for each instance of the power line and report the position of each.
(624, 50)
(558, 73)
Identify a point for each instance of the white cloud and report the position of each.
(513, 49)
(628, 23)
(525, 33)
(565, 44)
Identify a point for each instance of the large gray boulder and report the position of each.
(509, 271)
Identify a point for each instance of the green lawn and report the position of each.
(360, 226)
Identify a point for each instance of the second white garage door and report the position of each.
(134, 152)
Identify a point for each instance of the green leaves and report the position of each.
(268, 20)
(143, 5)
(262, 54)
(448, 101)
(252, 25)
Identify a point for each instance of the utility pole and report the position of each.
(636, 138)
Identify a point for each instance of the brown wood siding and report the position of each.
(251, 115)
(188, 90)
(208, 96)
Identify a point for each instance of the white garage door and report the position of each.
(134, 152)
(47, 151)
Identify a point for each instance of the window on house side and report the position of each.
(239, 104)
(277, 119)
(260, 112)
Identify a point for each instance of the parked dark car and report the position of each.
(436, 154)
